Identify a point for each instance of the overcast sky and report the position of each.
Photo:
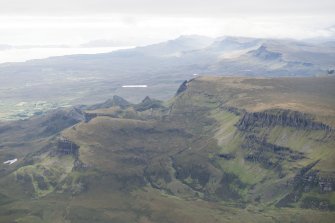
(129, 22)
(167, 7)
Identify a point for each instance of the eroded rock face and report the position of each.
(226, 156)
(147, 104)
(235, 111)
(317, 203)
(89, 116)
(66, 147)
(115, 101)
(182, 88)
(311, 180)
(269, 155)
(60, 119)
(308, 180)
(287, 118)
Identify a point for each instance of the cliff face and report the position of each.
(307, 187)
(66, 147)
(308, 181)
(268, 155)
(182, 88)
(284, 118)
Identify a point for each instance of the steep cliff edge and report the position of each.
(285, 118)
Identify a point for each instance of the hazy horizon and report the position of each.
(137, 23)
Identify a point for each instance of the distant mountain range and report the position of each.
(77, 79)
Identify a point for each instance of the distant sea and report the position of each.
(21, 55)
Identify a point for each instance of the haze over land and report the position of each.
(137, 23)
(212, 111)
(36, 86)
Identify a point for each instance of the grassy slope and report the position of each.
(153, 166)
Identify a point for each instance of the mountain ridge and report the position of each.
(222, 143)
(161, 67)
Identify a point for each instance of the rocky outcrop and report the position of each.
(235, 111)
(158, 175)
(147, 104)
(60, 119)
(317, 203)
(182, 88)
(229, 186)
(269, 155)
(271, 118)
(89, 116)
(197, 174)
(66, 147)
(115, 101)
(226, 156)
(263, 53)
(42, 185)
(307, 180)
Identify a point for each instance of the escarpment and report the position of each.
(289, 118)
(205, 150)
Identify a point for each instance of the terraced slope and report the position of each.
(222, 150)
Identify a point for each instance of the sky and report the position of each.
(140, 22)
